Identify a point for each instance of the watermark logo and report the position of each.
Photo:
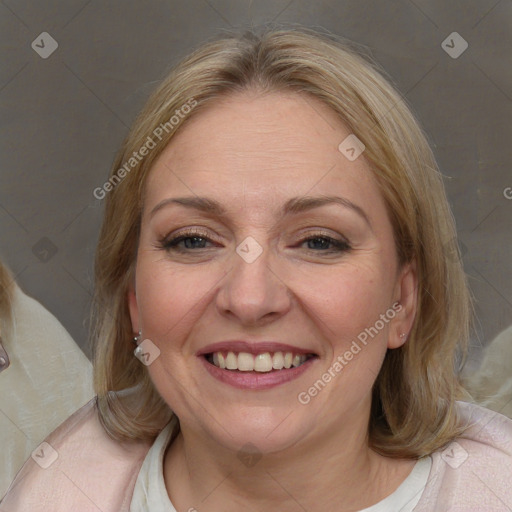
(44, 249)
(45, 455)
(249, 250)
(454, 45)
(149, 144)
(249, 455)
(455, 455)
(507, 193)
(147, 352)
(351, 147)
(44, 45)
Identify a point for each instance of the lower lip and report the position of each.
(256, 380)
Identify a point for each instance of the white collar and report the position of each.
(150, 492)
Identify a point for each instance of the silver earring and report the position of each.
(136, 339)
(403, 335)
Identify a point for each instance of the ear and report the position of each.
(133, 307)
(405, 304)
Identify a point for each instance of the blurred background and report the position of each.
(75, 74)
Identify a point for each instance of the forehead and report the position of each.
(278, 144)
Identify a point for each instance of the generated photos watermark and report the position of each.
(147, 352)
(44, 455)
(304, 397)
(150, 143)
(351, 147)
(44, 45)
(454, 45)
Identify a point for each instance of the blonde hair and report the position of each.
(413, 410)
(6, 297)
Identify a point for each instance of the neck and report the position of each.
(334, 471)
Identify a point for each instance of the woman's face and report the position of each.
(261, 238)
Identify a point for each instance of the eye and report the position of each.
(327, 244)
(187, 241)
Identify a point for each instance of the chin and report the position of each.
(265, 431)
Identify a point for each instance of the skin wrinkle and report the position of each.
(286, 294)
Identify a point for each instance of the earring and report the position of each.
(403, 335)
(137, 338)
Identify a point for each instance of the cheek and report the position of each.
(345, 300)
(347, 304)
(170, 299)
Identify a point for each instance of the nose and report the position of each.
(252, 291)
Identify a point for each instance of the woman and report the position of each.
(44, 376)
(275, 241)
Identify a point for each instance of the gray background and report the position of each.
(64, 117)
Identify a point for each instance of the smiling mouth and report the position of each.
(265, 362)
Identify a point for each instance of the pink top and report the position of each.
(80, 468)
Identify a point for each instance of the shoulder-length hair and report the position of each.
(413, 409)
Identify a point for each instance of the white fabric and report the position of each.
(150, 492)
(491, 384)
(49, 377)
(408, 494)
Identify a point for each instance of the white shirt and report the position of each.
(48, 378)
(150, 492)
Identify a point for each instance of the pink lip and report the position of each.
(256, 380)
(251, 348)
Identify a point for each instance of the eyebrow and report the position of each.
(294, 205)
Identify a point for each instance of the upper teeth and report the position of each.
(246, 362)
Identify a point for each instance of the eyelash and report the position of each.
(170, 244)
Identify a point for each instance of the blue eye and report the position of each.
(190, 240)
(323, 243)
